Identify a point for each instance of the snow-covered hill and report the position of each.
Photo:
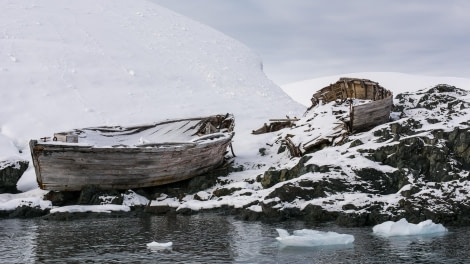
(67, 65)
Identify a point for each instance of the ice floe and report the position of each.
(157, 246)
(312, 238)
(403, 228)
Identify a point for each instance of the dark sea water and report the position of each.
(210, 238)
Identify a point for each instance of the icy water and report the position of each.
(210, 238)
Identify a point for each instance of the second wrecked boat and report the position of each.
(362, 116)
(350, 105)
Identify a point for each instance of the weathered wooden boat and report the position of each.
(132, 157)
(348, 106)
(363, 116)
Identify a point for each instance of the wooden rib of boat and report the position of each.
(132, 157)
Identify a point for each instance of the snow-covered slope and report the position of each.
(72, 64)
(396, 82)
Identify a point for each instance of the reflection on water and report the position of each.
(209, 238)
(17, 241)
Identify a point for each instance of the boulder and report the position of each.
(10, 173)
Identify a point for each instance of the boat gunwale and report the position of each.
(141, 147)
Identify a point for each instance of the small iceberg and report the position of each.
(156, 246)
(312, 238)
(403, 228)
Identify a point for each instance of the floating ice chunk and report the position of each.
(312, 238)
(156, 245)
(403, 228)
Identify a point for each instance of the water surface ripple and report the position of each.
(210, 238)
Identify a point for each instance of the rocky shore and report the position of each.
(415, 167)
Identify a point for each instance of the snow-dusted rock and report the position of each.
(10, 173)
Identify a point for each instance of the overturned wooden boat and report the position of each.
(132, 157)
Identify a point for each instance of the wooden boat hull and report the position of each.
(71, 167)
(366, 116)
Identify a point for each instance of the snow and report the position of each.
(31, 198)
(130, 198)
(403, 228)
(106, 208)
(133, 199)
(312, 238)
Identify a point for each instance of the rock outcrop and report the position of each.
(419, 169)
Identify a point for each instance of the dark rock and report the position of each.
(459, 143)
(407, 127)
(262, 151)
(249, 215)
(290, 213)
(67, 216)
(92, 195)
(383, 135)
(186, 211)
(28, 212)
(380, 182)
(308, 190)
(62, 198)
(421, 156)
(351, 219)
(281, 149)
(356, 143)
(272, 176)
(219, 192)
(443, 88)
(269, 211)
(432, 120)
(316, 213)
(289, 192)
(408, 193)
(349, 207)
(10, 174)
(377, 215)
(159, 210)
